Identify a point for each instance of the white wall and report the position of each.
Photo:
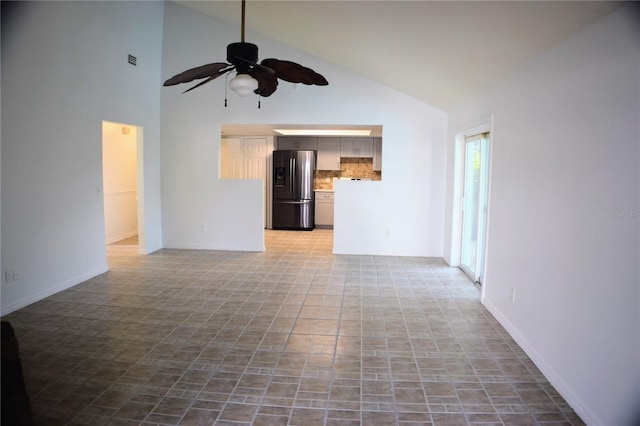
(564, 166)
(409, 202)
(64, 71)
(119, 181)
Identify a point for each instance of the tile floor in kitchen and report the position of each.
(291, 336)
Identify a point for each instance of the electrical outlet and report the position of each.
(10, 276)
(513, 295)
(203, 228)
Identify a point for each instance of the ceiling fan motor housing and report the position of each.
(242, 55)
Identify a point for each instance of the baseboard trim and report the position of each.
(556, 380)
(121, 237)
(36, 297)
(191, 246)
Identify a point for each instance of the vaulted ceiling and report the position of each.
(440, 52)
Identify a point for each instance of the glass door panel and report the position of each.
(474, 205)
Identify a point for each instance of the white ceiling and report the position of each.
(441, 52)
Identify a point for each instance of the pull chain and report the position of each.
(258, 102)
(226, 84)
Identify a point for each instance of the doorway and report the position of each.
(475, 185)
(121, 181)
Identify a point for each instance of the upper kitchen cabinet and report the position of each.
(298, 143)
(377, 154)
(328, 154)
(357, 147)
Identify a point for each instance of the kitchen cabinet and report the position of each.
(298, 143)
(356, 147)
(377, 154)
(324, 209)
(328, 154)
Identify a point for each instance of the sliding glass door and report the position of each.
(474, 205)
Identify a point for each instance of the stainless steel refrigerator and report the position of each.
(293, 198)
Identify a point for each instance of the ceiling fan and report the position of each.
(251, 76)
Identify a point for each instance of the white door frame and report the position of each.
(458, 185)
(142, 237)
(479, 219)
(142, 227)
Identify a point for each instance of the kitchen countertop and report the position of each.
(323, 190)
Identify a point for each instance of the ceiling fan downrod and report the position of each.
(242, 25)
(242, 55)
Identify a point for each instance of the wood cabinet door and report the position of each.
(357, 147)
(296, 143)
(377, 154)
(328, 154)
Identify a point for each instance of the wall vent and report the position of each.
(133, 60)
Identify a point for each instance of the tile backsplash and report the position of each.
(349, 167)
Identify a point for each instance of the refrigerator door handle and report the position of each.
(292, 169)
(293, 202)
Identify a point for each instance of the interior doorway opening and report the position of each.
(122, 182)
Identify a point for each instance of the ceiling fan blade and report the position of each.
(213, 77)
(294, 73)
(267, 81)
(202, 71)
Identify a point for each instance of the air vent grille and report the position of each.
(133, 60)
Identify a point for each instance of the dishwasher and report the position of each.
(324, 209)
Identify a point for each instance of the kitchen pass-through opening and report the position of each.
(249, 151)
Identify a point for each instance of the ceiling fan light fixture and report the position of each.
(243, 84)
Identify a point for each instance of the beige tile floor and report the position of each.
(291, 336)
